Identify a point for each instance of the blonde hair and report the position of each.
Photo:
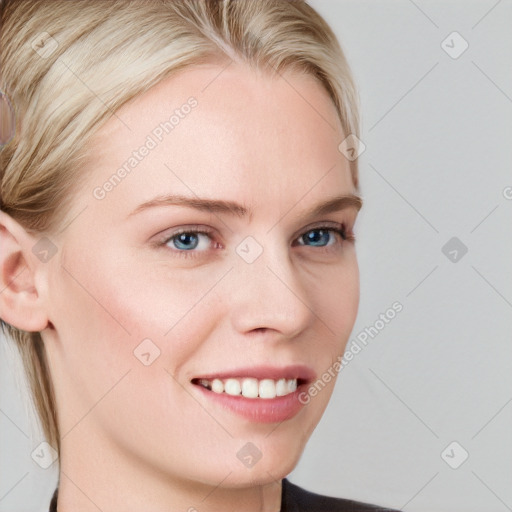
(68, 66)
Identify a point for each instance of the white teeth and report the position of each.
(267, 388)
(232, 387)
(281, 387)
(250, 387)
(217, 386)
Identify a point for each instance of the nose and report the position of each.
(269, 294)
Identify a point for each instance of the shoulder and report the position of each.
(296, 499)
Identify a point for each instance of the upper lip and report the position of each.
(296, 371)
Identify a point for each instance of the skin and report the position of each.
(138, 437)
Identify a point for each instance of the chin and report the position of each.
(277, 461)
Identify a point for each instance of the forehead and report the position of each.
(223, 131)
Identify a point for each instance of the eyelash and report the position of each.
(346, 235)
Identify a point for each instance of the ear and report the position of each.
(20, 301)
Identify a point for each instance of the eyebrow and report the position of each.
(220, 206)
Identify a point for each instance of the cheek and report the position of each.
(103, 368)
(105, 314)
(129, 296)
(336, 299)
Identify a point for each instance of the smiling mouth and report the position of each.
(249, 387)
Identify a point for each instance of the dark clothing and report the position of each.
(53, 503)
(296, 499)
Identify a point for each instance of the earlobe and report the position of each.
(20, 301)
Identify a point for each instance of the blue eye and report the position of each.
(190, 240)
(186, 241)
(319, 237)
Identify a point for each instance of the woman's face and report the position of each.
(143, 307)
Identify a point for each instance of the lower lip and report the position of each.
(259, 410)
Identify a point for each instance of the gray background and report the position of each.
(437, 165)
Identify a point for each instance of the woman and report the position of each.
(178, 261)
